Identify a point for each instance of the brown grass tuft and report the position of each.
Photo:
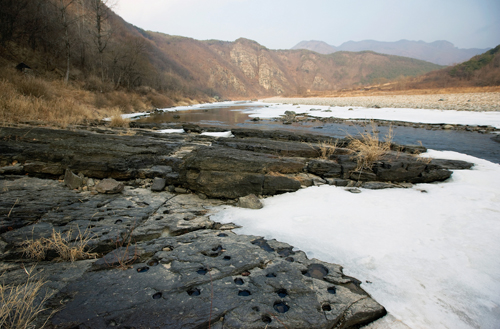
(118, 121)
(325, 149)
(67, 248)
(368, 148)
(20, 305)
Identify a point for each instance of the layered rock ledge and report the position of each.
(161, 262)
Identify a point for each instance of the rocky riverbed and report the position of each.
(145, 199)
(460, 102)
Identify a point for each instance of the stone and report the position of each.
(109, 186)
(324, 168)
(193, 128)
(44, 168)
(378, 185)
(158, 184)
(338, 181)
(452, 164)
(181, 190)
(250, 201)
(71, 180)
(15, 169)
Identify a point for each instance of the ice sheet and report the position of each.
(430, 254)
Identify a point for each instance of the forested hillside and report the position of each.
(76, 60)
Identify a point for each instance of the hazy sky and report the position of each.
(281, 24)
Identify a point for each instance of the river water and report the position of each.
(235, 115)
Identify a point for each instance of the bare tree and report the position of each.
(66, 22)
(101, 31)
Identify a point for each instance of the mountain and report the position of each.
(244, 67)
(86, 44)
(320, 47)
(480, 70)
(438, 52)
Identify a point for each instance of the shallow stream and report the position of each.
(236, 116)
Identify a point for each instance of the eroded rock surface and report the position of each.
(255, 162)
(162, 263)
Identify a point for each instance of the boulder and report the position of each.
(250, 201)
(109, 186)
(71, 180)
(324, 168)
(158, 184)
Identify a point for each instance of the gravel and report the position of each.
(461, 102)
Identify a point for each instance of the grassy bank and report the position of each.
(25, 98)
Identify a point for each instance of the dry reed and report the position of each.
(20, 305)
(367, 148)
(63, 244)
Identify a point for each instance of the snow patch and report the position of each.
(429, 254)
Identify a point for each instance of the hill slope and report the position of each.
(438, 52)
(244, 67)
(480, 70)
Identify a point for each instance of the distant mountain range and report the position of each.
(437, 52)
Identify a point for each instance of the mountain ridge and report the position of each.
(440, 52)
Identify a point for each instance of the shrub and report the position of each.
(160, 101)
(30, 86)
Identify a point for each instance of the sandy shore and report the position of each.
(461, 102)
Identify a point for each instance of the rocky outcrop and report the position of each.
(162, 263)
(255, 162)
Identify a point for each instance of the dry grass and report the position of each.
(325, 149)
(121, 255)
(29, 99)
(20, 305)
(118, 121)
(367, 148)
(63, 244)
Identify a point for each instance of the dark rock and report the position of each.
(250, 201)
(277, 184)
(39, 167)
(277, 148)
(220, 184)
(324, 168)
(233, 160)
(452, 164)
(186, 289)
(362, 175)
(16, 169)
(158, 184)
(109, 186)
(71, 180)
(22, 67)
(155, 171)
(190, 127)
(338, 181)
(378, 185)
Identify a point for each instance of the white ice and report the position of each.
(431, 252)
(171, 131)
(393, 114)
(218, 134)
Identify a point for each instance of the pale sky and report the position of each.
(281, 24)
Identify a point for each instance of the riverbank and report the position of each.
(160, 260)
(460, 102)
